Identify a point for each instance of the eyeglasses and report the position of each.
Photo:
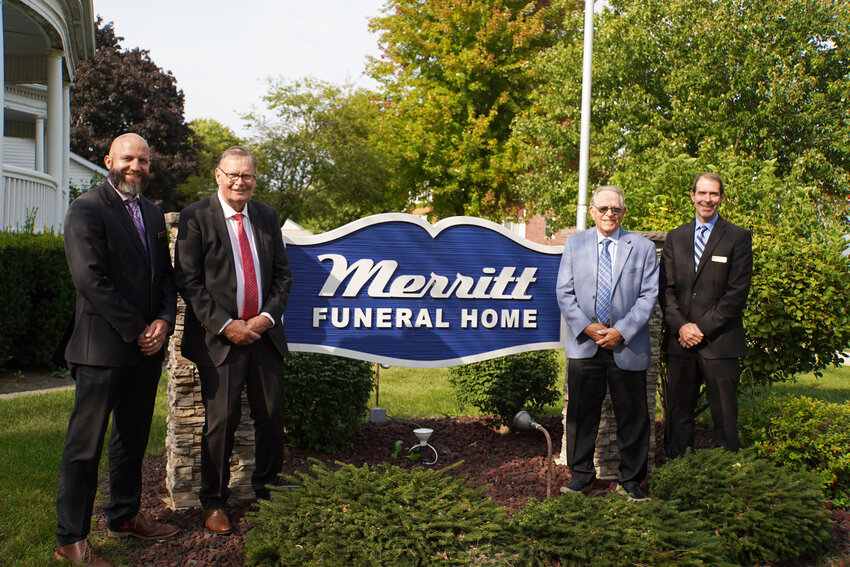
(232, 177)
(614, 210)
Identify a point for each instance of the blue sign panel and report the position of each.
(397, 290)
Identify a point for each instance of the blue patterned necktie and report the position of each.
(699, 246)
(136, 215)
(603, 285)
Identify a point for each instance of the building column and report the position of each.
(64, 186)
(39, 144)
(55, 131)
(2, 125)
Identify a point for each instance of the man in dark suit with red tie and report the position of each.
(232, 270)
(706, 268)
(117, 251)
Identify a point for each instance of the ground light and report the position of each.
(524, 422)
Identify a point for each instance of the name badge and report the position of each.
(721, 259)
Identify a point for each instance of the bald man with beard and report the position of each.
(117, 251)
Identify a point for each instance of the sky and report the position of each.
(222, 52)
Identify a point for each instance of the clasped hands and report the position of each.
(153, 337)
(690, 335)
(606, 337)
(244, 333)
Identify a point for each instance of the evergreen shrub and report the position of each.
(611, 531)
(806, 432)
(325, 399)
(36, 297)
(382, 515)
(504, 386)
(760, 512)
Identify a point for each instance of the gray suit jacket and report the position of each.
(633, 295)
(120, 287)
(206, 277)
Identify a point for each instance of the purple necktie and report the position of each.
(136, 215)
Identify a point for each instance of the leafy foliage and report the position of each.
(323, 154)
(760, 512)
(504, 386)
(325, 399)
(119, 91)
(454, 75)
(805, 432)
(764, 80)
(36, 297)
(611, 531)
(209, 139)
(368, 516)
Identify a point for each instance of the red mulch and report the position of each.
(513, 464)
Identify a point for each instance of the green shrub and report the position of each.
(611, 531)
(760, 512)
(369, 516)
(325, 399)
(503, 386)
(805, 432)
(36, 297)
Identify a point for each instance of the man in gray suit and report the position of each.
(117, 251)
(607, 287)
(232, 270)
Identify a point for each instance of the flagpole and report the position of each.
(584, 151)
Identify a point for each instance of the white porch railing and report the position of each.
(27, 193)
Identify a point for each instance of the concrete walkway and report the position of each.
(31, 392)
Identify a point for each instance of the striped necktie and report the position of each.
(699, 246)
(250, 306)
(603, 285)
(136, 215)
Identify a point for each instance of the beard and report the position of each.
(129, 188)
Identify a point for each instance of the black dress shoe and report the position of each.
(632, 491)
(577, 485)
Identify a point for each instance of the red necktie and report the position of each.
(250, 306)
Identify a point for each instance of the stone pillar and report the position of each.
(185, 423)
(607, 457)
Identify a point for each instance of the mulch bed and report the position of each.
(513, 464)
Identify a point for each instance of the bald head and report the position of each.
(128, 163)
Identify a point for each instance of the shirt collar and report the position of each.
(124, 198)
(614, 238)
(709, 225)
(229, 211)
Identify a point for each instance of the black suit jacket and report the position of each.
(713, 296)
(120, 287)
(206, 277)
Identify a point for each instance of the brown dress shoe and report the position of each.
(217, 521)
(141, 528)
(80, 553)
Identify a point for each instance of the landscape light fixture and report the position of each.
(524, 422)
(423, 448)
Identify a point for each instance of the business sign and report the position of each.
(397, 290)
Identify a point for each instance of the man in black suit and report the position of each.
(117, 251)
(706, 268)
(232, 270)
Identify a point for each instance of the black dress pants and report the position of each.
(127, 394)
(259, 369)
(588, 379)
(685, 374)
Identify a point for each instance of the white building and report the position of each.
(43, 40)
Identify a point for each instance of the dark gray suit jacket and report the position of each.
(120, 287)
(713, 296)
(206, 277)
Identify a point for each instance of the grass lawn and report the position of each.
(31, 443)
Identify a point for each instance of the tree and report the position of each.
(323, 156)
(209, 139)
(455, 74)
(764, 79)
(119, 91)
